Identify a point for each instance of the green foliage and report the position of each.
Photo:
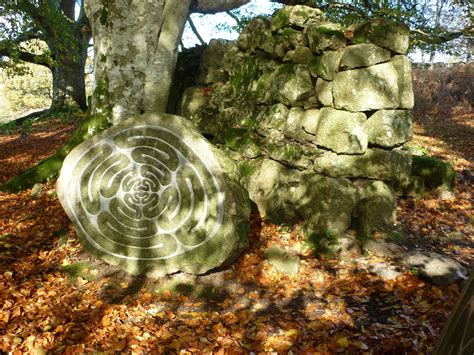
(27, 89)
(53, 23)
(320, 243)
(435, 172)
(8, 128)
(415, 271)
(46, 20)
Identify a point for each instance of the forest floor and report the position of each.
(53, 297)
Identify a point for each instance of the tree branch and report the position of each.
(213, 6)
(338, 5)
(68, 7)
(195, 31)
(235, 18)
(27, 57)
(443, 37)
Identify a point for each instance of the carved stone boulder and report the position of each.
(152, 196)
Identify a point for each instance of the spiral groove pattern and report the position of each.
(144, 194)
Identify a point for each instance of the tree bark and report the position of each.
(136, 46)
(69, 70)
(67, 39)
(69, 88)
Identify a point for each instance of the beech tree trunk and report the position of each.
(69, 88)
(136, 46)
(68, 77)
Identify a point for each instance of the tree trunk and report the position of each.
(69, 85)
(69, 88)
(135, 45)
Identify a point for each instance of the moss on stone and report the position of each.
(245, 74)
(330, 32)
(241, 140)
(315, 67)
(247, 168)
(302, 13)
(285, 68)
(289, 32)
(287, 152)
(435, 172)
(48, 168)
(281, 19)
(263, 93)
(360, 33)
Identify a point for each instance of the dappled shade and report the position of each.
(312, 112)
(153, 197)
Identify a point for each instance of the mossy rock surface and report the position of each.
(390, 128)
(152, 196)
(325, 36)
(291, 84)
(285, 195)
(382, 86)
(376, 207)
(375, 164)
(326, 65)
(282, 260)
(435, 172)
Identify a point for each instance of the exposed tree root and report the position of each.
(19, 121)
(48, 168)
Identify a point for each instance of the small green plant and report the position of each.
(320, 243)
(64, 116)
(414, 271)
(27, 126)
(8, 128)
(397, 237)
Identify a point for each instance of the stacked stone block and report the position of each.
(315, 114)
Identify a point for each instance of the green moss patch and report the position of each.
(49, 168)
(435, 172)
(81, 269)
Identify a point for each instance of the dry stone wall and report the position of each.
(315, 114)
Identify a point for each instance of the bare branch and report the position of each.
(443, 37)
(338, 5)
(213, 6)
(195, 31)
(235, 18)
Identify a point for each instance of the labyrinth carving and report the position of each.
(142, 193)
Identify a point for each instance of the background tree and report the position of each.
(436, 25)
(67, 38)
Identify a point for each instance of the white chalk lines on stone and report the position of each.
(146, 198)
